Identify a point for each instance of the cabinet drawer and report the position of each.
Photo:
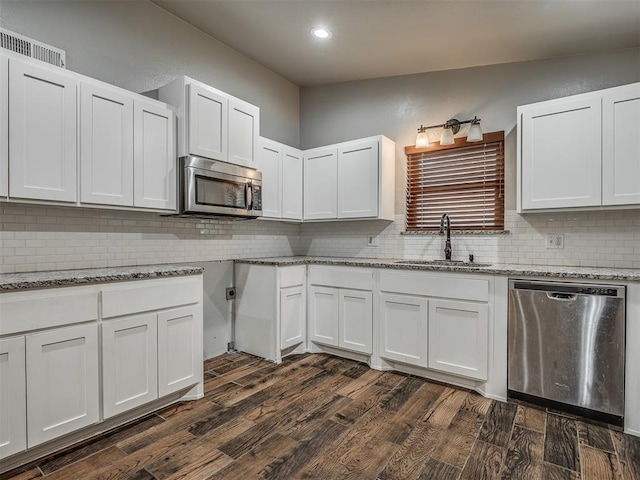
(292, 276)
(355, 278)
(429, 284)
(134, 297)
(35, 310)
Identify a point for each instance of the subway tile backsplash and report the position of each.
(35, 238)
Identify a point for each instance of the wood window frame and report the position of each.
(474, 199)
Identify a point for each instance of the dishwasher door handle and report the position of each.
(567, 297)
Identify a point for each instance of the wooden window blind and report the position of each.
(465, 180)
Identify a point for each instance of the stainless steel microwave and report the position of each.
(213, 188)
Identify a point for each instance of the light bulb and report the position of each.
(475, 132)
(447, 137)
(320, 32)
(422, 140)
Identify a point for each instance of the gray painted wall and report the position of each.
(138, 46)
(396, 106)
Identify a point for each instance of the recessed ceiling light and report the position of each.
(320, 32)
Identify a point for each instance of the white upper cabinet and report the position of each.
(77, 140)
(581, 151)
(106, 145)
(213, 124)
(621, 145)
(351, 180)
(321, 184)
(4, 126)
(281, 168)
(561, 154)
(291, 184)
(155, 164)
(270, 166)
(244, 120)
(42, 138)
(358, 178)
(207, 122)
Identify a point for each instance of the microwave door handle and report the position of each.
(248, 196)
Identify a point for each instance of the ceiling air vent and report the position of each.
(32, 48)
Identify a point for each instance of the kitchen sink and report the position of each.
(452, 263)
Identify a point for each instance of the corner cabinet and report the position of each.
(281, 167)
(580, 151)
(351, 180)
(212, 123)
(270, 310)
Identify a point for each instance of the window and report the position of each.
(465, 180)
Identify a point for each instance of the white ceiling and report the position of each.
(380, 38)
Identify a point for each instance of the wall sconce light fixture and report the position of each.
(449, 129)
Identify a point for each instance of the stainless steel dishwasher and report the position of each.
(567, 347)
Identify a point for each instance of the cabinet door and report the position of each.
(129, 363)
(621, 145)
(106, 146)
(62, 381)
(321, 184)
(324, 315)
(358, 180)
(292, 184)
(208, 123)
(458, 338)
(292, 316)
(42, 138)
(270, 162)
(403, 328)
(13, 400)
(155, 168)
(4, 126)
(180, 349)
(356, 321)
(561, 154)
(244, 125)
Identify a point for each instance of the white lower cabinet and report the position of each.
(51, 357)
(13, 397)
(129, 363)
(62, 381)
(403, 328)
(292, 316)
(355, 320)
(324, 311)
(458, 338)
(179, 349)
(341, 308)
(436, 320)
(270, 310)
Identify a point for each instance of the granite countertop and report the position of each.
(593, 273)
(64, 278)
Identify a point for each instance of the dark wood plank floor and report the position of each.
(321, 417)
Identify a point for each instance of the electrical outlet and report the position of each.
(555, 240)
(373, 240)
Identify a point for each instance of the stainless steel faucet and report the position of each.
(447, 244)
